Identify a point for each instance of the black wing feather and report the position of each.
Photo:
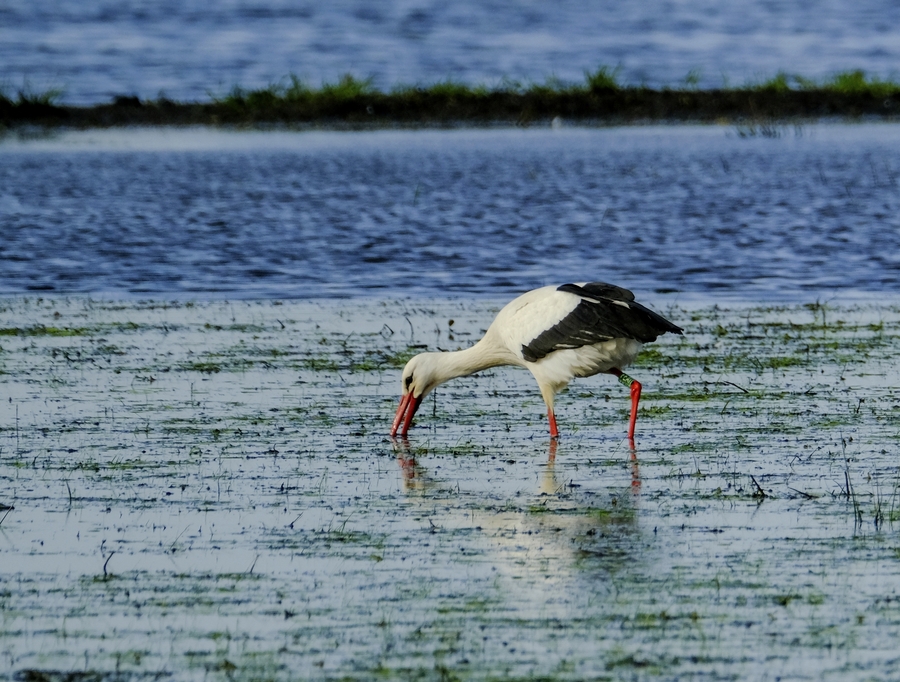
(597, 290)
(605, 312)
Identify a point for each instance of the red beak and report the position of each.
(408, 406)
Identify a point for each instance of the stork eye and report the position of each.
(409, 380)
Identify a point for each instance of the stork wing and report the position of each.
(597, 290)
(604, 312)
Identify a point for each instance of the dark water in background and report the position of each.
(95, 49)
(695, 209)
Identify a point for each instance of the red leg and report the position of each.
(635, 387)
(554, 431)
(635, 399)
(635, 470)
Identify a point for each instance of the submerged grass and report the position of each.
(208, 493)
(43, 331)
(600, 98)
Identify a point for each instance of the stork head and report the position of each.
(420, 376)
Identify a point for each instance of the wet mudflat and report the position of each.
(205, 491)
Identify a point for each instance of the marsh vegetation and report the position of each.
(206, 491)
(600, 99)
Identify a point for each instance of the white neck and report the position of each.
(460, 363)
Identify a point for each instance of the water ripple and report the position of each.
(481, 212)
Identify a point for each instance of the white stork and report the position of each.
(558, 333)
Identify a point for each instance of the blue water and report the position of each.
(188, 49)
(814, 212)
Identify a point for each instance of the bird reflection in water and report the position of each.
(412, 475)
(578, 528)
(632, 455)
(415, 477)
(635, 470)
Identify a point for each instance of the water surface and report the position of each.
(206, 492)
(804, 213)
(186, 50)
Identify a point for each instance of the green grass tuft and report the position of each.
(603, 78)
(27, 97)
(601, 96)
(854, 82)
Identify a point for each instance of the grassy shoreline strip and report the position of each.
(357, 103)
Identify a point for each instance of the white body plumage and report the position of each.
(524, 318)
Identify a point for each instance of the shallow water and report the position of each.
(205, 491)
(811, 212)
(97, 50)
